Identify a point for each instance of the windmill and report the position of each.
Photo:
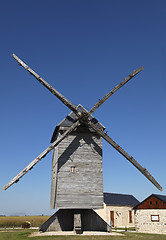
(77, 176)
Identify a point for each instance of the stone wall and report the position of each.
(145, 223)
(121, 215)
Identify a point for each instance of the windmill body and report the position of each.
(77, 173)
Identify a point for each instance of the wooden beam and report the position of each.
(48, 86)
(42, 155)
(100, 102)
(144, 171)
(77, 223)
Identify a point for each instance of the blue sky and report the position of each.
(83, 49)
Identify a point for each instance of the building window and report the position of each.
(151, 202)
(155, 218)
(130, 217)
(156, 202)
(72, 169)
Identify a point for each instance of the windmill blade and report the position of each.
(125, 154)
(42, 155)
(48, 86)
(101, 101)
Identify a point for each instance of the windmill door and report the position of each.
(112, 218)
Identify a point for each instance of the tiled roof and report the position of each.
(120, 199)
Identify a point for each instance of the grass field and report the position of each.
(17, 221)
(23, 235)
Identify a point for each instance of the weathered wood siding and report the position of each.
(77, 175)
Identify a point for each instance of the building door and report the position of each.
(130, 217)
(112, 218)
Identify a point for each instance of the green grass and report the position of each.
(17, 221)
(15, 235)
(23, 235)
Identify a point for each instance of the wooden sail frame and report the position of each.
(82, 118)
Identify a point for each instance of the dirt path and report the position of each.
(40, 234)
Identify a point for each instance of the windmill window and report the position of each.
(73, 169)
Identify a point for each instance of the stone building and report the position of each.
(118, 209)
(150, 215)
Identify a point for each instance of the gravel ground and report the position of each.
(39, 234)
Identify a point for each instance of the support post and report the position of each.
(77, 223)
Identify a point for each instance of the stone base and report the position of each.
(77, 220)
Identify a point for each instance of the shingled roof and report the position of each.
(116, 199)
(71, 118)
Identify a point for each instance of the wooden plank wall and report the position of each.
(79, 179)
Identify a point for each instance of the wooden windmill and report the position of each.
(77, 176)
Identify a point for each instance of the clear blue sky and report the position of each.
(83, 48)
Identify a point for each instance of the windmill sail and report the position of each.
(81, 117)
(101, 101)
(71, 106)
(42, 155)
(126, 155)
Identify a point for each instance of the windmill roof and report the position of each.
(117, 199)
(71, 118)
